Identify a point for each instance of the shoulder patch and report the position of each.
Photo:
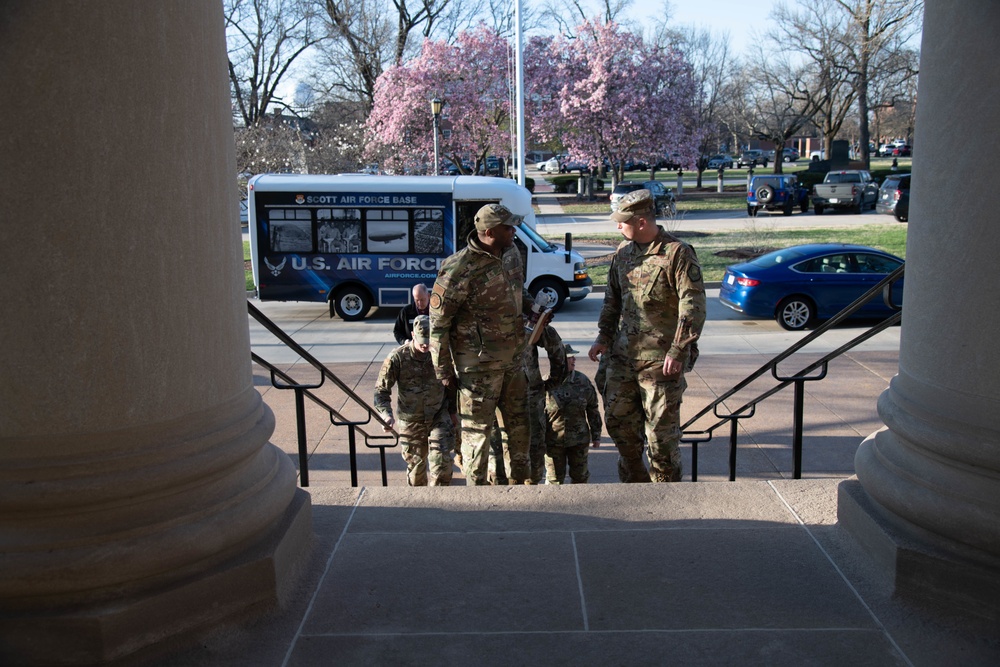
(694, 272)
(437, 297)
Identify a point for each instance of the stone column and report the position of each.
(139, 496)
(930, 504)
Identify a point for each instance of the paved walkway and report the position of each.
(755, 572)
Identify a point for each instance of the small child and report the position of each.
(574, 425)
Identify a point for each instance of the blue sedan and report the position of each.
(800, 285)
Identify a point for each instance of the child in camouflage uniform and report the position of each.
(574, 425)
(426, 428)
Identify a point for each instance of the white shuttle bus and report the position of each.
(355, 240)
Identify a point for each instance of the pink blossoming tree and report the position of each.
(471, 76)
(607, 95)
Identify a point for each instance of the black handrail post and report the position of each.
(353, 449)
(694, 461)
(733, 427)
(300, 427)
(385, 474)
(800, 390)
(798, 407)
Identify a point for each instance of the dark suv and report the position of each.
(752, 158)
(776, 192)
(663, 197)
(894, 196)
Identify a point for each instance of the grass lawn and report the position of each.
(754, 237)
(247, 271)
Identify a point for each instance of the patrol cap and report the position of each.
(422, 330)
(494, 215)
(633, 203)
(570, 352)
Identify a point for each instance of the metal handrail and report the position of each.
(303, 391)
(747, 410)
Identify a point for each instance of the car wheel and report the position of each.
(817, 209)
(553, 289)
(788, 208)
(858, 208)
(765, 194)
(765, 164)
(804, 205)
(751, 210)
(352, 303)
(899, 215)
(795, 313)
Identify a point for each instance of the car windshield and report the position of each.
(785, 256)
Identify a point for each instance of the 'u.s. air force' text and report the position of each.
(365, 263)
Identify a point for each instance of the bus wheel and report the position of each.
(552, 289)
(352, 303)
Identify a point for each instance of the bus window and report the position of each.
(291, 230)
(428, 231)
(338, 230)
(387, 230)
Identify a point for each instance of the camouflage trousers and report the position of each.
(643, 406)
(480, 395)
(427, 448)
(497, 474)
(558, 457)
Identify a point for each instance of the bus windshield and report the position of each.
(544, 245)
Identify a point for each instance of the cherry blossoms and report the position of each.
(604, 95)
(471, 76)
(607, 95)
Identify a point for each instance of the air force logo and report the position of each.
(276, 270)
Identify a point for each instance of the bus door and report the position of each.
(465, 219)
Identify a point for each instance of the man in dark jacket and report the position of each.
(403, 331)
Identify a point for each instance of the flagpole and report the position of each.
(519, 83)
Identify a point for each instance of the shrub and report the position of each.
(567, 184)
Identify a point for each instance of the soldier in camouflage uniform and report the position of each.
(574, 425)
(554, 348)
(477, 339)
(654, 310)
(426, 411)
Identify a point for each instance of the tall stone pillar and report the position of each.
(139, 496)
(930, 504)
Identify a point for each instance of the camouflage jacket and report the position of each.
(650, 293)
(476, 311)
(571, 409)
(553, 345)
(420, 394)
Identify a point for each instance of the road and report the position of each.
(335, 341)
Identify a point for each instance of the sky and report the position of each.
(744, 20)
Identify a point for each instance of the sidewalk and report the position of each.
(755, 572)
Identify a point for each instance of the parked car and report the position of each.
(550, 166)
(491, 167)
(800, 285)
(720, 162)
(752, 158)
(902, 210)
(902, 151)
(244, 213)
(671, 162)
(890, 193)
(663, 197)
(776, 192)
(790, 155)
(852, 189)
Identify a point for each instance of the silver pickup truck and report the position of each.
(852, 189)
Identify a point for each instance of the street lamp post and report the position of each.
(436, 105)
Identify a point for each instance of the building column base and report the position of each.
(915, 567)
(165, 620)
